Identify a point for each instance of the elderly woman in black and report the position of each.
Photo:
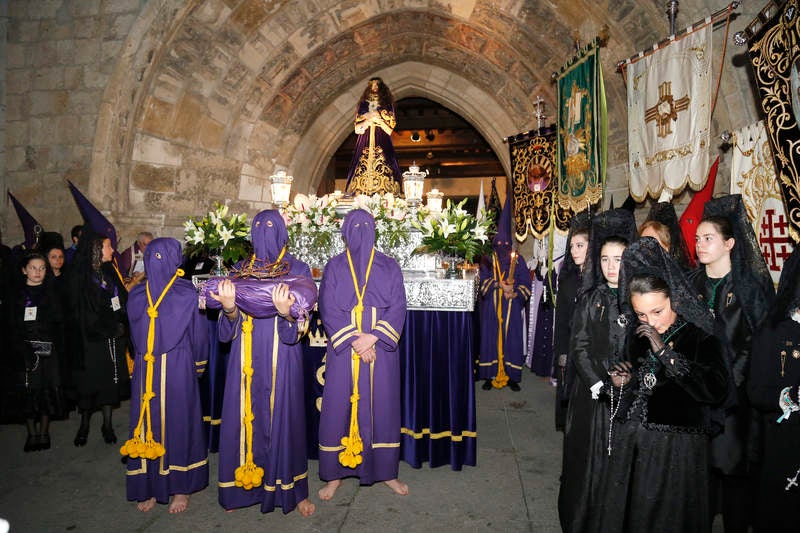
(662, 394)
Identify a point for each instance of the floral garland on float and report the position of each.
(314, 224)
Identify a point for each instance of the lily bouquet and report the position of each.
(218, 233)
(454, 231)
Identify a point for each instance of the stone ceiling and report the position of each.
(211, 96)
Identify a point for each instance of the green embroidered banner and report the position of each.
(582, 130)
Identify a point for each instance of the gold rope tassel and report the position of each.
(501, 379)
(248, 474)
(148, 447)
(353, 445)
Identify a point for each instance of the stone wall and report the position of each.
(59, 56)
(156, 108)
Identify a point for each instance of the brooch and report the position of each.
(622, 321)
(649, 380)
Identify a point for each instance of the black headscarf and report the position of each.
(612, 223)
(647, 257)
(579, 224)
(788, 298)
(752, 283)
(664, 213)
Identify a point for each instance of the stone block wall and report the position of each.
(59, 56)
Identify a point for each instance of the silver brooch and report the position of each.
(796, 354)
(650, 380)
(622, 321)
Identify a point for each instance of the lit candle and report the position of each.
(512, 267)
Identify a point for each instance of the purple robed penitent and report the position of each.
(181, 351)
(512, 310)
(279, 442)
(379, 382)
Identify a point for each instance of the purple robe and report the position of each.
(513, 313)
(379, 382)
(181, 351)
(279, 433)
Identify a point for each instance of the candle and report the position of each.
(512, 267)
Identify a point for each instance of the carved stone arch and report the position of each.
(335, 122)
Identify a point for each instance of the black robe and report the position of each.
(568, 284)
(597, 342)
(776, 348)
(737, 446)
(101, 373)
(38, 375)
(657, 475)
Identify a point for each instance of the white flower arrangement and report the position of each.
(218, 233)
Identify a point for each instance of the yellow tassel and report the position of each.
(148, 448)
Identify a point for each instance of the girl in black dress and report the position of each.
(661, 398)
(37, 319)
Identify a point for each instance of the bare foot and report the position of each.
(398, 486)
(305, 507)
(327, 492)
(146, 505)
(179, 503)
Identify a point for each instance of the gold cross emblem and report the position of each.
(666, 109)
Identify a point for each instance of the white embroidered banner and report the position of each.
(753, 176)
(669, 114)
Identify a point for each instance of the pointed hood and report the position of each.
(161, 261)
(358, 232)
(481, 204)
(269, 235)
(501, 242)
(93, 217)
(28, 222)
(691, 217)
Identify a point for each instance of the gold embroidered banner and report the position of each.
(775, 57)
(533, 184)
(753, 176)
(582, 130)
(669, 114)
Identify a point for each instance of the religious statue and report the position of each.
(374, 167)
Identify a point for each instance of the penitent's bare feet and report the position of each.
(146, 505)
(179, 503)
(327, 492)
(398, 486)
(305, 507)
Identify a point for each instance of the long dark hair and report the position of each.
(385, 98)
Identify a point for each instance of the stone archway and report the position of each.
(334, 123)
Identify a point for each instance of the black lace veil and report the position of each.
(611, 223)
(647, 257)
(788, 297)
(578, 224)
(749, 272)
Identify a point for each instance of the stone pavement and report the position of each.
(513, 488)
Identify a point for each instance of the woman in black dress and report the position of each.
(734, 282)
(773, 386)
(101, 373)
(596, 343)
(569, 280)
(662, 396)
